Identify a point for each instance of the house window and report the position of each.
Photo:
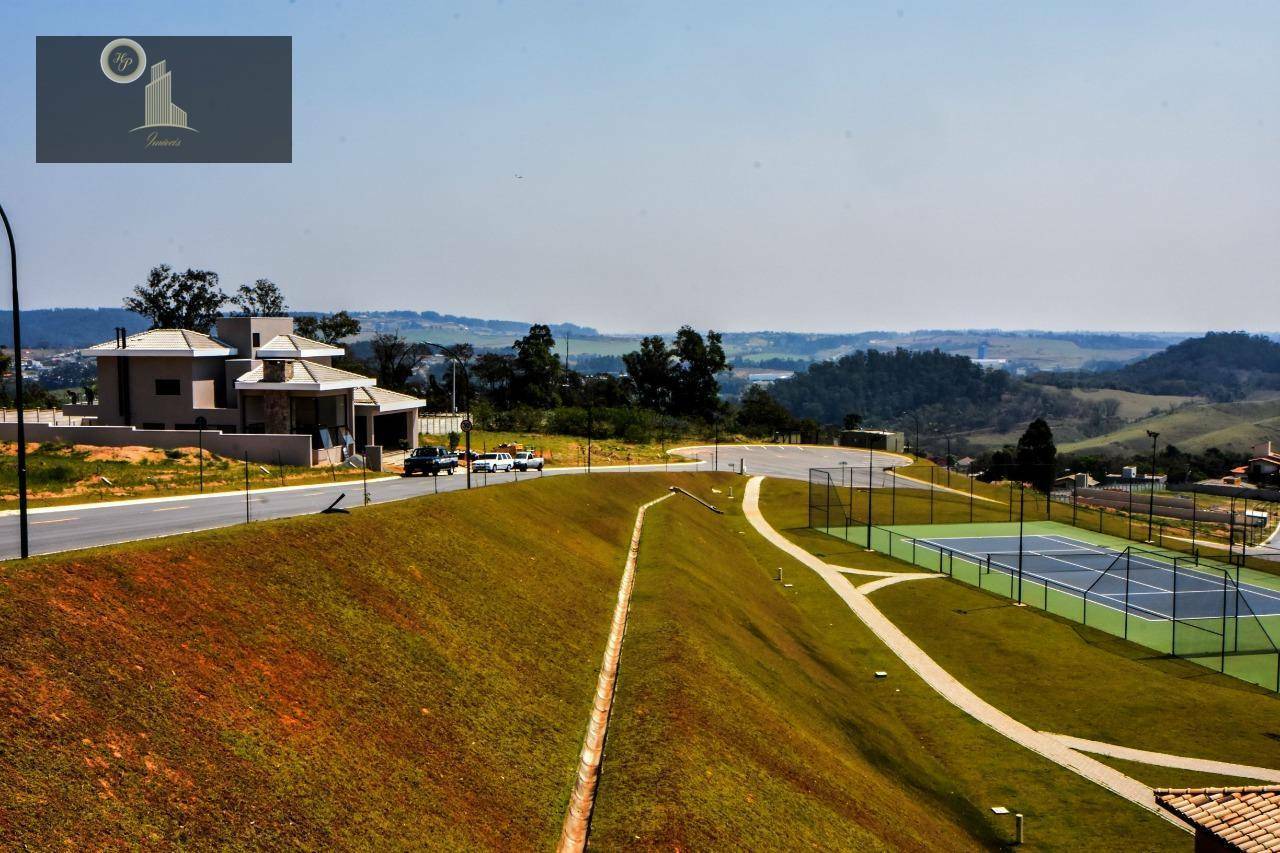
(257, 339)
(168, 388)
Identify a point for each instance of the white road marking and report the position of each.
(57, 520)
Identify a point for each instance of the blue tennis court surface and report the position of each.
(1108, 577)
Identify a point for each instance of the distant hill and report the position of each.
(65, 328)
(1222, 366)
(879, 386)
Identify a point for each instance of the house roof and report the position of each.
(1272, 458)
(164, 342)
(307, 376)
(387, 400)
(1245, 819)
(296, 346)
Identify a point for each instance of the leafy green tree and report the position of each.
(652, 371)
(537, 368)
(332, 329)
(759, 414)
(172, 300)
(494, 373)
(696, 391)
(1037, 456)
(852, 420)
(395, 360)
(260, 299)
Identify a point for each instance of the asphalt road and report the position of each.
(54, 529)
(793, 461)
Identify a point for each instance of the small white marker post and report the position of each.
(1017, 822)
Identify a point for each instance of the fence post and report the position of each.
(1223, 659)
(1128, 561)
(893, 503)
(932, 472)
(246, 487)
(971, 494)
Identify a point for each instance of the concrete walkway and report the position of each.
(942, 681)
(1162, 759)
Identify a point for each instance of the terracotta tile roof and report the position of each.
(308, 374)
(1245, 819)
(165, 340)
(385, 398)
(296, 346)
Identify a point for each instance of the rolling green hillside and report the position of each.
(748, 717)
(1195, 428)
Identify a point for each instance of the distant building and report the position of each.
(254, 378)
(992, 363)
(872, 439)
(1129, 478)
(769, 377)
(1264, 466)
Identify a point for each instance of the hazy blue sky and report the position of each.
(811, 166)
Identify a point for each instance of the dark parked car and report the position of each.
(430, 460)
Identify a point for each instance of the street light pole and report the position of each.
(17, 389)
(452, 354)
(1151, 502)
(916, 446)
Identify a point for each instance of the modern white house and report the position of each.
(278, 393)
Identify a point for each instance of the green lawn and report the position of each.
(748, 717)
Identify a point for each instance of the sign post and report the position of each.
(466, 431)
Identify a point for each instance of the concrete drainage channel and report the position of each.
(577, 820)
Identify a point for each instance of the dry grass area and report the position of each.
(566, 450)
(415, 674)
(67, 473)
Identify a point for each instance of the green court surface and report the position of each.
(1227, 618)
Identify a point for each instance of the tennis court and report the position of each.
(1155, 587)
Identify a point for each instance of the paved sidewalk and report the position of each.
(1163, 759)
(942, 681)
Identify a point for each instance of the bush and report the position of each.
(174, 453)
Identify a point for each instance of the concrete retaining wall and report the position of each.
(267, 448)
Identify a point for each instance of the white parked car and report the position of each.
(527, 460)
(493, 462)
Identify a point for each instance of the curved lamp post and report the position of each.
(17, 389)
(916, 447)
(452, 354)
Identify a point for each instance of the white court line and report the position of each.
(1044, 582)
(1150, 563)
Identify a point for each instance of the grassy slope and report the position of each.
(1088, 684)
(1132, 404)
(418, 672)
(1194, 428)
(1063, 677)
(747, 717)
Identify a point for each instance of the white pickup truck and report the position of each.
(527, 460)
